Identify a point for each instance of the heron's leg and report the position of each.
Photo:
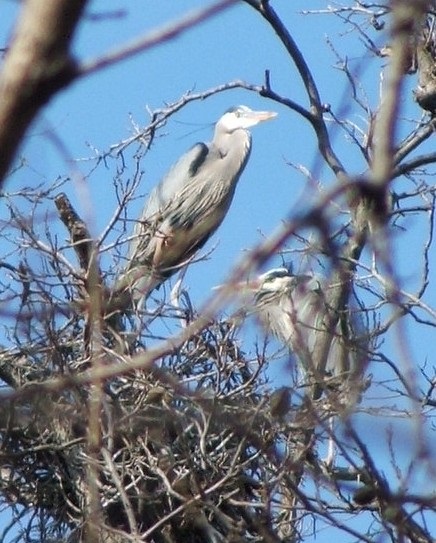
(329, 460)
(176, 294)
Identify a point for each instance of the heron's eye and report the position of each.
(238, 114)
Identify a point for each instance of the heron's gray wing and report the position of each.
(353, 333)
(305, 308)
(161, 197)
(172, 183)
(348, 346)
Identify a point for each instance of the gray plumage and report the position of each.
(295, 310)
(187, 206)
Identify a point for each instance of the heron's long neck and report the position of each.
(235, 148)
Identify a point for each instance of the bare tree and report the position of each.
(160, 426)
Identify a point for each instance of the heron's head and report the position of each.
(275, 280)
(243, 117)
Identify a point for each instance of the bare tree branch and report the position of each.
(156, 37)
(37, 65)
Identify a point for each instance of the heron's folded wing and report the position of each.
(160, 199)
(173, 182)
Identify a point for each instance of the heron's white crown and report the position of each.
(275, 280)
(243, 117)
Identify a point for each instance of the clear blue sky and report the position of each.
(94, 113)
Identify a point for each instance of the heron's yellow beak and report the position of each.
(264, 115)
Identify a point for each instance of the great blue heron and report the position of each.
(187, 206)
(295, 309)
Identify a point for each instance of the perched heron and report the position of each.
(187, 206)
(295, 309)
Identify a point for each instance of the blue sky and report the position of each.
(95, 114)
